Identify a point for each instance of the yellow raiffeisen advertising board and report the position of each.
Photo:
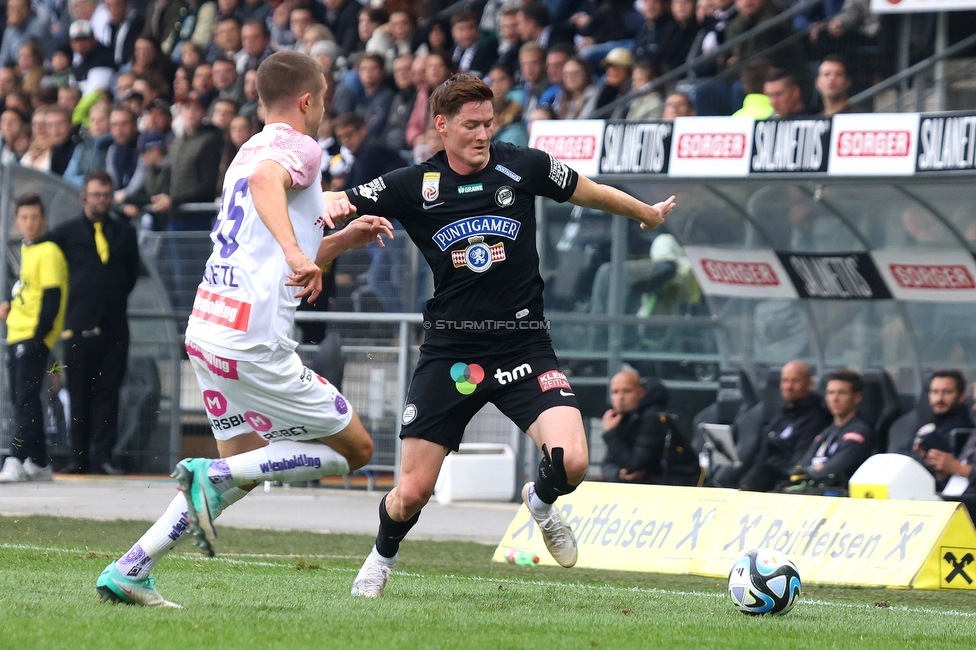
(922, 544)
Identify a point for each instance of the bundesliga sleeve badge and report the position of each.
(478, 256)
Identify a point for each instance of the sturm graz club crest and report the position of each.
(478, 256)
(505, 196)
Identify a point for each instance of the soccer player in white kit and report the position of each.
(273, 418)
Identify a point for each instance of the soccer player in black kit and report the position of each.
(470, 210)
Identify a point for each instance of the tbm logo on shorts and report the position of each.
(518, 372)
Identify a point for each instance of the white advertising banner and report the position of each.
(945, 276)
(873, 144)
(740, 273)
(711, 147)
(577, 143)
(912, 6)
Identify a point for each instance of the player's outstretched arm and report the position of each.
(609, 199)
(268, 184)
(362, 231)
(338, 209)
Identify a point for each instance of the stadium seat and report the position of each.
(902, 430)
(735, 395)
(880, 406)
(748, 430)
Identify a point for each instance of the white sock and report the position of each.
(389, 561)
(537, 505)
(163, 536)
(288, 461)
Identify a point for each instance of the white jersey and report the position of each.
(242, 303)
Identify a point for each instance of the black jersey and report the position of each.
(478, 235)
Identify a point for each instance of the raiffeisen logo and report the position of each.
(467, 377)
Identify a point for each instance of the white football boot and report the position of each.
(556, 534)
(372, 577)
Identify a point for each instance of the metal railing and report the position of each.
(916, 74)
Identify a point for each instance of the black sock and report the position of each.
(545, 493)
(391, 533)
(551, 482)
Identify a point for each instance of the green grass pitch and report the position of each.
(270, 589)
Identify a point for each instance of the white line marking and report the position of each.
(240, 559)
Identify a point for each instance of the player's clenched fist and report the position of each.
(337, 208)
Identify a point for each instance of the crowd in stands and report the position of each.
(161, 94)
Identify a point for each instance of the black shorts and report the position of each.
(446, 392)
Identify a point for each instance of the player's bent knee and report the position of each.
(412, 499)
(360, 454)
(576, 466)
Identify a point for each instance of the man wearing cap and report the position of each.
(152, 156)
(122, 159)
(618, 64)
(159, 117)
(93, 67)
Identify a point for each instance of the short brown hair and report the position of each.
(98, 176)
(29, 199)
(354, 120)
(285, 75)
(464, 16)
(850, 377)
(779, 74)
(448, 98)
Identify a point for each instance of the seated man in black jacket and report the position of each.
(947, 396)
(791, 432)
(838, 450)
(638, 435)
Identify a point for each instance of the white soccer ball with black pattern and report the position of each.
(764, 581)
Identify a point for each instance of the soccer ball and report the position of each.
(764, 581)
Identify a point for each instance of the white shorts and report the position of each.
(272, 394)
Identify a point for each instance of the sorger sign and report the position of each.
(711, 147)
(577, 143)
(740, 273)
(937, 277)
(874, 144)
